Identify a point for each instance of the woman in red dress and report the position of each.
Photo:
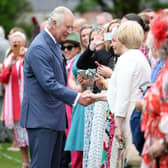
(12, 77)
(155, 108)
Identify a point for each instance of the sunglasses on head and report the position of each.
(69, 48)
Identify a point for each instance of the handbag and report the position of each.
(132, 157)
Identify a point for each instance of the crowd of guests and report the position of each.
(111, 58)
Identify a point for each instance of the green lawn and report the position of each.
(9, 159)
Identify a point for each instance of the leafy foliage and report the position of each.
(119, 7)
(10, 11)
(122, 7)
(85, 5)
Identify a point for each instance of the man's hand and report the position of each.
(96, 97)
(84, 100)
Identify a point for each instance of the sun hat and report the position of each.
(74, 37)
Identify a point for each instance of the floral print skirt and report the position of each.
(108, 139)
(21, 135)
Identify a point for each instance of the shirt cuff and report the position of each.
(76, 100)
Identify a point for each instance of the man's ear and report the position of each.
(54, 23)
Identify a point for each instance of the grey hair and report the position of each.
(22, 35)
(108, 16)
(58, 15)
(2, 32)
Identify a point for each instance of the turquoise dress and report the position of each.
(75, 137)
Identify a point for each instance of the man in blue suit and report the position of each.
(45, 92)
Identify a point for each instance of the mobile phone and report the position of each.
(144, 87)
(91, 72)
(97, 63)
(108, 36)
(82, 73)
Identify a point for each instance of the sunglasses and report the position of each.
(69, 48)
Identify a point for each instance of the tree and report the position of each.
(10, 11)
(122, 7)
(119, 7)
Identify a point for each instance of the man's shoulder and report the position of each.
(39, 42)
(39, 39)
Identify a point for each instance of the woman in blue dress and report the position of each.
(74, 142)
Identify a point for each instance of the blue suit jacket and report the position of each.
(45, 91)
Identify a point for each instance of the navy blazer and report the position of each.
(45, 91)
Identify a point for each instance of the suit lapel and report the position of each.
(56, 49)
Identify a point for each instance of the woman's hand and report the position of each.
(98, 42)
(105, 71)
(119, 133)
(10, 61)
(96, 97)
(140, 104)
(85, 81)
(157, 148)
(101, 83)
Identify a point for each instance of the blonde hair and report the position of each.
(130, 34)
(109, 30)
(114, 21)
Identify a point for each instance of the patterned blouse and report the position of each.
(155, 109)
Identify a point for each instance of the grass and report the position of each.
(9, 159)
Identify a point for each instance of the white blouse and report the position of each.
(132, 69)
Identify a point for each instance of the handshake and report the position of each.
(87, 97)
